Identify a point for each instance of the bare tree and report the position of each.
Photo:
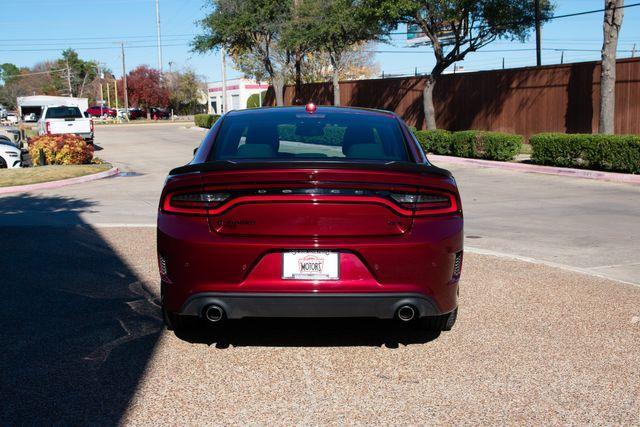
(613, 13)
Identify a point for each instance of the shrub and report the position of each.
(485, 145)
(60, 150)
(604, 152)
(435, 141)
(471, 143)
(205, 120)
(499, 146)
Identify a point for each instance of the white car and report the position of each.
(12, 118)
(10, 154)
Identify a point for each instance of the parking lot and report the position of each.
(548, 329)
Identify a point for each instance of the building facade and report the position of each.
(238, 92)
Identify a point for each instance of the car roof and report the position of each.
(319, 108)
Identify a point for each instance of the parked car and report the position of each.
(31, 117)
(98, 111)
(137, 113)
(65, 120)
(310, 212)
(159, 113)
(11, 134)
(12, 118)
(10, 154)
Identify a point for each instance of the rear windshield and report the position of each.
(332, 136)
(64, 113)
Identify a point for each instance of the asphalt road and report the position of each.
(83, 342)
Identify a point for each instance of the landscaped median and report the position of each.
(27, 176)
(602, 157)
(58, 160)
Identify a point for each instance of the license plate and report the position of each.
(311, 265)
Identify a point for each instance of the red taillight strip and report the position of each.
(313, 198)
(309, 198)
(452, 208)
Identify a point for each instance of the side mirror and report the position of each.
(195, 150)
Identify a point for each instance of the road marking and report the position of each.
(586, 271)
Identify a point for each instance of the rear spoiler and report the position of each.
(228, 165)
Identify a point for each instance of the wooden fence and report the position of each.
(557, 98)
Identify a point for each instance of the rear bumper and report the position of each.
(240, 305)
(86, 136)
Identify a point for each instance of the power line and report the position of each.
(551, 18)
(92, 48)
(34, 73)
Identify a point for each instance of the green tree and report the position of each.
(81, 73)
(334, 27)
(250, 28)
(10, 86)
(187, 92)
(456, 28)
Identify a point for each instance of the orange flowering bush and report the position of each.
(60, 150)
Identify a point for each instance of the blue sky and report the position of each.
(36, 30)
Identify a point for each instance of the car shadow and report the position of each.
(78, 324)
(306, 333)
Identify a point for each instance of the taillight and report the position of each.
(47, 127)
(192, 203)
(428, 203)
(91, 125)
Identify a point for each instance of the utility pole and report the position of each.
(503, 62)
(108, 95)
(124, 81)
(538, 36)
(562, 57)
(223, 106)
(69, 80)
(159, 39)
(115, 90)
(633, 51)
(101, 95)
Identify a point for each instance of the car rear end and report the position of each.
(67, 120)
(322, 212)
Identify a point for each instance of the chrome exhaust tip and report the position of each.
(406, 313)
(214, 313)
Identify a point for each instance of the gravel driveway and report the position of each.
(83, 342)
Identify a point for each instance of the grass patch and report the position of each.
(25, 176)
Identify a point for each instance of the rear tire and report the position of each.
(3, 164)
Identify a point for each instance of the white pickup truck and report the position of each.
(64, 120)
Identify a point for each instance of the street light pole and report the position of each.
(124, 82)
(223, 106)
(159, 39)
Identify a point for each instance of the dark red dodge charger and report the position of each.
(310, 212)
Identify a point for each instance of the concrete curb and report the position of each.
(160, 123)
(548, 170)
(60, 183)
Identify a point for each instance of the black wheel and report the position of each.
(3, 164)
(443, 322)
